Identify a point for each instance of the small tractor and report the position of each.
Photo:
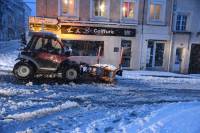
(45, 55)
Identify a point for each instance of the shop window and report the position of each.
(85, 48)
(155, 54)
(126, 57)
(181, 22)
(128, 9)
(68, 7)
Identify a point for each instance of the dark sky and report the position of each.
(32, 5)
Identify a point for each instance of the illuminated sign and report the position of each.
(99, 31)
(40, 20)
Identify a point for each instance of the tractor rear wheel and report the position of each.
(23, 71)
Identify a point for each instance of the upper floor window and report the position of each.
(128, 9)
(181, 22)
(68, 7)
(99, 9)
(157, 11)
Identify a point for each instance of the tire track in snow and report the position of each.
(41, 112)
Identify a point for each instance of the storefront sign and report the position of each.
(100, 31)
(40, 20)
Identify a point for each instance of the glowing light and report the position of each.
(102, 7)
(66, 2)
(124, 9)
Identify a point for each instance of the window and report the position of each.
(100, 8)
(48, 45)
(68, 7)
(84, 48)
(40, 43)
(155, 11)
(181, 22)
(128, 9)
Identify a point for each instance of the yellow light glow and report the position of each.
(124, 9)
(71, 1)
(102, 7)
(66, 2)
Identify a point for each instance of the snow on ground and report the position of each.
(139, 102)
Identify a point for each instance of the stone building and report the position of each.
(13, 19)
(185, 55)
(134, 25)
(155, 34)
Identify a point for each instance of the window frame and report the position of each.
(99, 18)
(129, 20)
(76, 12)
(162, 19)
(187, 26)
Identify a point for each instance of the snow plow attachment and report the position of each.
(104, 72)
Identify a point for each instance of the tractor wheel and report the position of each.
(71, 74)
(23, 71)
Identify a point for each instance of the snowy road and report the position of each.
(141, 102)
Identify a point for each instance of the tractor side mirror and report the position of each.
(68, 52)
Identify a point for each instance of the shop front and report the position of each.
(86, 40)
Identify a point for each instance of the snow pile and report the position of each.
(108, 66)
(27, 131)
(160, 77)
(12, 92)
(42, 112)
(172, 118)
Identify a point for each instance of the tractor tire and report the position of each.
(71, 74)
(23, 71)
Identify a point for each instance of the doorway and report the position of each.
(178, 60)
(194, 66)
(155, 55)
(126, 57)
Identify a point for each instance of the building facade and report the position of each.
(13, 19)
(131, 24)
(155, 34)
(185, 56)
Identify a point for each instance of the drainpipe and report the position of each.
(172, 36)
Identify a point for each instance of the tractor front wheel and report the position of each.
(71, 74)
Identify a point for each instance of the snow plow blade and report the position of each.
(103, 72)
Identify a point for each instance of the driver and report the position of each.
(53, 46)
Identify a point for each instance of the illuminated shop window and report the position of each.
(128, 9)
(100, 8)
(68, 7)
(84, 48)
(155, 11)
